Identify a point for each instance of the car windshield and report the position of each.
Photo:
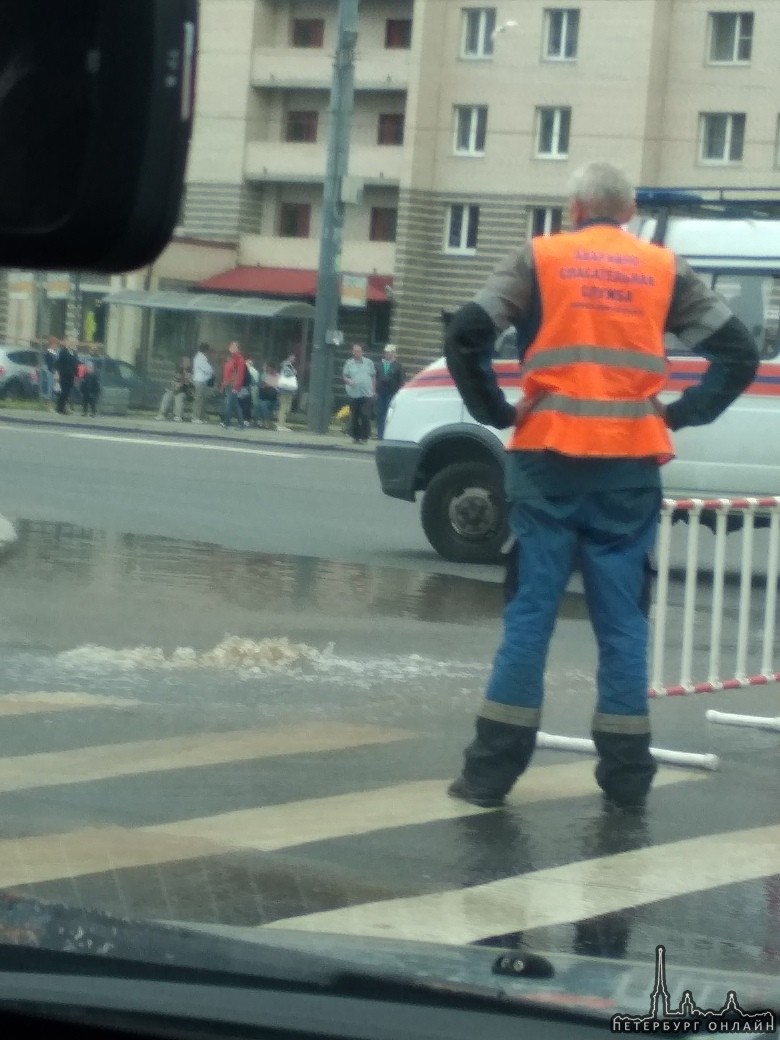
(240, 667)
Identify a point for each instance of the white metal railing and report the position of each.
(749, 667)
(673, 623)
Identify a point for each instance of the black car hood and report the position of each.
(32, 931)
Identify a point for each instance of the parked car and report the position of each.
(18, 372)
(117, 375)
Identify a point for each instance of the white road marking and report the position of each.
(559, 895)
(35, 703)
(199, 445)
(360, 812)
(86, 764)
(94, 850)
(167, 442)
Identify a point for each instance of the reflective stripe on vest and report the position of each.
(596, 355)
(598, 358)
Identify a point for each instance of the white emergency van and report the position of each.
(433, 447)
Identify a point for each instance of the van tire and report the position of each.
(464, 513)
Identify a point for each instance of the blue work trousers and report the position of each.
(232, 406)
(610, 535)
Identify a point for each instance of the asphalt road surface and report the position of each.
(234, 686)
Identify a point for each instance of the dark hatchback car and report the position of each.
(118, 376)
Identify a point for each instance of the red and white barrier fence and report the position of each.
(709, 615)
(752, 665)
(742, 673)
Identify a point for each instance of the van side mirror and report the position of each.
(96, 108)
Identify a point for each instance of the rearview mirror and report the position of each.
(96, 107)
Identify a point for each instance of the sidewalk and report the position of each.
(145, 423)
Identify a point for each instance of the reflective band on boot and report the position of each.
(501, 750)
(626, 768)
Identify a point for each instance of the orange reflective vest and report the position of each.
(598, 360)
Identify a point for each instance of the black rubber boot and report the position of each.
(493, 761)
(625, 769)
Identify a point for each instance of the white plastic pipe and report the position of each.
(754, 721)
(673, 758)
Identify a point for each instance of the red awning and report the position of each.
(284, 281)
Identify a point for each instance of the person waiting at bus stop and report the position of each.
(583, 470)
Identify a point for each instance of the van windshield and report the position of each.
(754, 298)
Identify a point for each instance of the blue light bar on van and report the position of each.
(695, 201)
(655, 198)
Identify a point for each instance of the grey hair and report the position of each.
(603, 188)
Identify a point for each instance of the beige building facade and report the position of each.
(507, 100)
(469, 119)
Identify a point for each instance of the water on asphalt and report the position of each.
(110, 639)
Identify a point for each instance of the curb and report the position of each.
(8, 535)
(309, 445)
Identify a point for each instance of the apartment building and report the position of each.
(506, 100)
(469, 119)
(257, 165)
(252, 214)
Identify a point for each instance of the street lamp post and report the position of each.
(326, 335)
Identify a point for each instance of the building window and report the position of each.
(731, 37)
(390, 129)
(294, 219)
(561, 30)
(398, 33)
(552, 132)
(308, 32)
(462, 228)
(546, 220)
(301, 126)
(722, 137)
(777, 143)
(470, 129)
(383, 224)
(479, 24)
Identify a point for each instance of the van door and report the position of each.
(739, 453)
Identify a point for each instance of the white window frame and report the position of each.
(725, 159)
(468, 212)
(486, 26)
(558, 120)
(739, 35)
(551, 215)
(473, 120)
(571, 23)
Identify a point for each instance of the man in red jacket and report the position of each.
(233, 376)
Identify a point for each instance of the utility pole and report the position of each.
(326, 335)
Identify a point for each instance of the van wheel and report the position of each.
(464, 513)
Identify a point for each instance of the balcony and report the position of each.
(275, 161)
(357, 258)
(309, 69)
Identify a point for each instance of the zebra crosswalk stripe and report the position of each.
(559, 895)
(37, 703)
(80, 765)
(93, 850)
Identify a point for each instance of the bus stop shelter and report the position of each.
(175, 323)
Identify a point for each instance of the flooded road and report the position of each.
(189, 732)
